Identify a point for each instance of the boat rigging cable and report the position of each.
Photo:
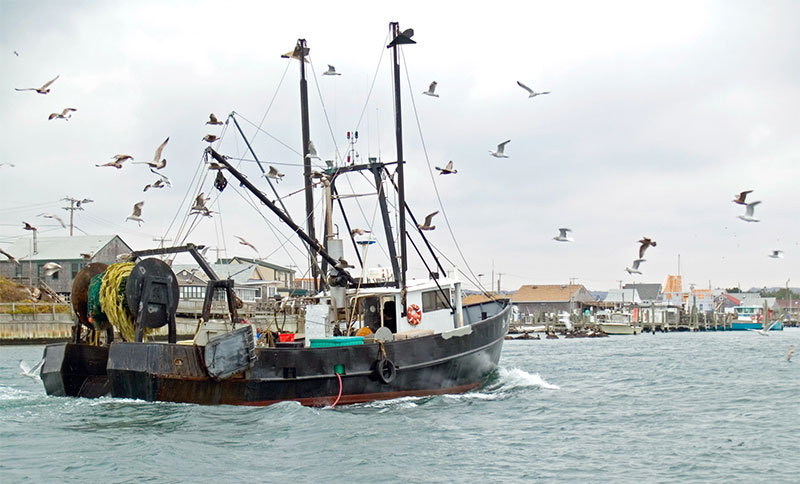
(433, 179)
(286, 239)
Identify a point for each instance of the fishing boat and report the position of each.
(365, 338)
(617, 323)
(751, 317)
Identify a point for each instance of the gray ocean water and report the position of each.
(679, 407)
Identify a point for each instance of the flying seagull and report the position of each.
(137, 213)
(41, 90)
(118, 161)
(343, 264)
(81, 202)
(156, 184)
(740, 197)
(10, 257)
(500, 150)
(312, 151)
(749, 212)
(763, 331)
(30, 372)
(210, 138)
(64, 114)
(163, 177)
(274, 174)
(54, 217)
(213, 120)
(448, 169)
(12, 165)
(645, 243)
(431, 89)
(27, 226)
(51, 268)
(635, 268)
(200, 205)
(531, 92)
(358, 231)
(156, 163)
(331, 71)
(777, 254)
(244, 242)
(562, 235)
(426, 225)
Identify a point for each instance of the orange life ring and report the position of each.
(414, 315)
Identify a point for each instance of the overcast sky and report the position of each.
(658, 114)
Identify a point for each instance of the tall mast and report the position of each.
(300, 53)
(397, 39)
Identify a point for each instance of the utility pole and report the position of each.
(74, 204)
(571, 282)
(161, 241)
(499, 278)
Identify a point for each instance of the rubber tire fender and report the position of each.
(385, 370)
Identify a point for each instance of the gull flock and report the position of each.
(199, 207)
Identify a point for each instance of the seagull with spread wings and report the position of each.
(10, 257)
(65, 114)
(635, 268)
(562, 235)
(645, 242)
(158, 162)
(426, 225)
(51, 268)
(740, 198)
(431, 90)
(41, 90)
(54, 217)
(531, 92)
(749, 212)
(500, 153)
(244, 242)
(331, 71)
(118, 161)
(213, 120)
(448, 169)
(136, 215)
(274, 174)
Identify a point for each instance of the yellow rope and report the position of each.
(113, 303)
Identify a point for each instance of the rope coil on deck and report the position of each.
(107, 300)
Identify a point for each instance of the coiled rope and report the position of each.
(112, 300)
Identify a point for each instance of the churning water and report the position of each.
(678, 407)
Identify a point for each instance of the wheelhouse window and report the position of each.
(433, 300)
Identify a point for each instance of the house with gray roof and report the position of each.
(71, 253)
(647, 292)
(250, 282)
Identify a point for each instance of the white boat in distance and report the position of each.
(617, 323)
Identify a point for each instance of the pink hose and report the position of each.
(340, 390)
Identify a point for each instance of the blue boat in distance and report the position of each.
(752, 318)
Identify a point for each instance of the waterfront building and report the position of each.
(71, 253)
(552, 298)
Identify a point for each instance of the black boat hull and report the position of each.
(75, 370)
(453, 362)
